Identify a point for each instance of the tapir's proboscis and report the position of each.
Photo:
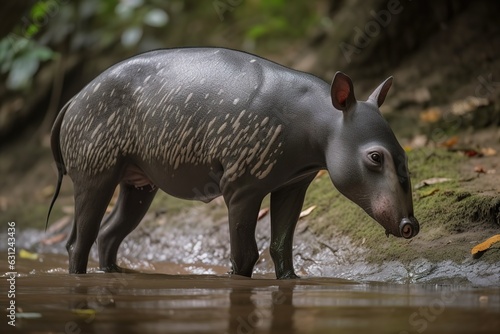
(199, 123)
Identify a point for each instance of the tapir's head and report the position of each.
(366, 162)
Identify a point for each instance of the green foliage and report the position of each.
(20, 59)
(89, 24)
(275, 20)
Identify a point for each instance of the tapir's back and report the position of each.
(168, 108)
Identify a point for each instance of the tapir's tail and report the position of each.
(56, 151)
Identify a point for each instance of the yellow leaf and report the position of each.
(83, 311)
(24, 254)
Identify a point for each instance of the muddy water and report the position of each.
(50, 301)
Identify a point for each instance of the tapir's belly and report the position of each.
(191, 182)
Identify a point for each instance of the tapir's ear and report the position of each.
(379, 94)
(342, 92)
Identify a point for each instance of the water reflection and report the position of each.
(253, 309)
(148, 303)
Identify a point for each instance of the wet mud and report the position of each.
(50, 301)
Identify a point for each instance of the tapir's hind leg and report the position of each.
(92, 196)
(130, 208)
(286, 204)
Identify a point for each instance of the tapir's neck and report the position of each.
(314, 121)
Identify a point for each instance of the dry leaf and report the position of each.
(450, 142)
(59, 224)
(262, 213)
(431, 181)
(307, 211)
(478, 250)
(480, 169)
(54, 239)
(417, 142)
(431, 115)
(488, 151)
(470, 103)
(472, 153)
(321, 173)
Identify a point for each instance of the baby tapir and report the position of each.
(198, 123)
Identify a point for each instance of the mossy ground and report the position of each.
(452, 219)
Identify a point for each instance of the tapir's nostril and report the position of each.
(408, 228)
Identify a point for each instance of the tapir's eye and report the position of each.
(375, 157)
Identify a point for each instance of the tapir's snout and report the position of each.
(409, 227)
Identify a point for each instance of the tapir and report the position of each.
(199, 123)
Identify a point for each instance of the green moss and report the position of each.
(448, 215)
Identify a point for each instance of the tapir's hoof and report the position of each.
(117, 269)
(409, 227)
(289, 275)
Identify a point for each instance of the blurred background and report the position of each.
(438, 52)
(444, 56)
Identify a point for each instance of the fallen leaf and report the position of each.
(262, 213)
(417, 142)
(431, 115)
(470, 103)
(24, 254)
(58, 225)
(480, 169)
(488, 151)
(321, 173)
(307, 211)
(450, 142)
(429, 193)
(471, 153)
(54, 239)
(478, 250)
(431, 181)
(83, 311)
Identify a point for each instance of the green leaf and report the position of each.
(257, 31)
(21, 71)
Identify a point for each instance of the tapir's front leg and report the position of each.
(286, 204)
(243, 210)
